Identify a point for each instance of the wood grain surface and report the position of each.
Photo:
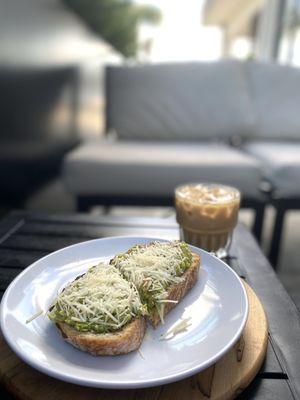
(225, 380)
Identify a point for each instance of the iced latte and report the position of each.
(207, 215)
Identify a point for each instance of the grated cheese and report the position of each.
(178, 328)
(99, 301)
(34, 316)
(141, 354)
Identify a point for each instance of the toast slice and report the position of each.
(163, 273)
(100, 312)
(106, 344)
(178, 291)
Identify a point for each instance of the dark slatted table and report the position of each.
(26, 237)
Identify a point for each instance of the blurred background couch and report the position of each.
(38, 126)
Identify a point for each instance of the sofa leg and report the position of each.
(277, 235)
(259, 221)
(106, 210)
(82, 204)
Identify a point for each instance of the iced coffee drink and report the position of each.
(207, 215)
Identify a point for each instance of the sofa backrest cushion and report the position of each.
(183, 101)
(275, 93)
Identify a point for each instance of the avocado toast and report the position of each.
(100, 312)
(104, 311)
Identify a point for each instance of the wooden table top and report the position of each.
(26, 237)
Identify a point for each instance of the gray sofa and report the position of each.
(173, 123)
(275, 91)
(38, 108)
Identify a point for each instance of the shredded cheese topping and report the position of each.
(153, 268)
(34, 316)
(100, 301)
(181, 326)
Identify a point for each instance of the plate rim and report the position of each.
(129, 384)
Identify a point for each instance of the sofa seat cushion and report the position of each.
(156, 168)
(281, 161)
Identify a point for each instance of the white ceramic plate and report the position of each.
(217, 304)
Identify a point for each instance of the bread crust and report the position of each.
(179, 290)
(124, 341)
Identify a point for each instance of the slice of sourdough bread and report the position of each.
(124, 341)
(90, 301)
(178, 291)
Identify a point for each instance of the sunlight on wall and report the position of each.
(180, 36)
(242, 48)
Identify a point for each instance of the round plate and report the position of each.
(217, 306)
